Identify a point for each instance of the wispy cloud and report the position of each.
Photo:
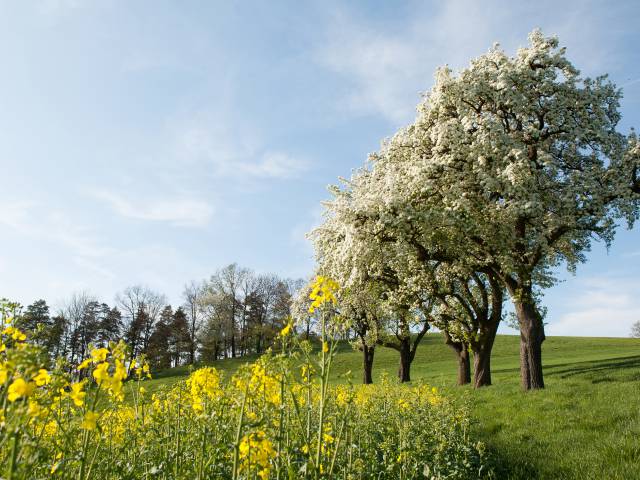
(235, 152)
(388, 68)
(181, 212)
(29, 218)
(600, 306)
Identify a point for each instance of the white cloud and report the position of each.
(183, 212)
(388, 68)
(55, 226)
(600, 306)
(235, 153)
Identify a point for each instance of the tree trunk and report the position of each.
(531, 338)
(464, 366)
(482, 355)
(404, 372)
(367, 363)
(481, 368)
(462, 356)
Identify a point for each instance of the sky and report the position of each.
(154, 142)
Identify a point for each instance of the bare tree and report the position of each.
(132, 301)
(75, 311)
(193, 294)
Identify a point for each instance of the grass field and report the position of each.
(584, 425)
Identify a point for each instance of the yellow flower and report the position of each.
(51, 428)
(323, 291)
(42, 378)
(76, 394)
(90, 420)
(84, 364)
(14, 333)
(35, 410)
(19, 388)
(403, 405)
(325, 347)
(101, 373)
(255, 453)
(99, 354)
(204, 384)
(285, 331)
(56, 465)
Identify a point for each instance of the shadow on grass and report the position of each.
(584, 367)
(513, 467)
(618, 366)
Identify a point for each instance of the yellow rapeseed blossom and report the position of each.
(256, 452)
(403, 405)
(343, 395)
(323, 291)
(203, 384)
(101, 373)
(14, 333)
(77, 394)
(285, 331)
(90, 420)
(42, 377)
(99, 354)
(84, 364)
(35, 409)
(20, 389)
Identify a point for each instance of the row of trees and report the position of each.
(511, 168)
(234, 313)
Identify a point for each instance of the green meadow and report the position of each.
(584, 425)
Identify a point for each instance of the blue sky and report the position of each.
(153, 142)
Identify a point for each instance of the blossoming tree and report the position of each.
(516, 164)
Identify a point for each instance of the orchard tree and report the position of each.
(361, 310)
(516, 164)
(352, 249)
(469, 315)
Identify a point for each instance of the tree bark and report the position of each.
(462, 356)
(482, 352)
(464, 367)
(404, 372)
(531, 338)
(367, 363)
(481, 368)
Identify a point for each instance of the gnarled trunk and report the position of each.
(482, 353)
(531, 338)
(404, 372)
(464, 367)
(462, 356)
(367, 363)
(481, 368)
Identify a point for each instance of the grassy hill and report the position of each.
(585, 424)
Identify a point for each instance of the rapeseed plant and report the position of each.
(280, 415)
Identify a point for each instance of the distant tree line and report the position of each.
(234, 313)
